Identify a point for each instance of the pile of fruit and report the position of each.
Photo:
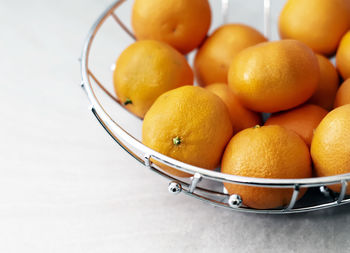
(242, 75)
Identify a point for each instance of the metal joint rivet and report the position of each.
(235, 201)
(174, 187)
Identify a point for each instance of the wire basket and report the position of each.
(125, 128)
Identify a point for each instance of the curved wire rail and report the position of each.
(145, 155)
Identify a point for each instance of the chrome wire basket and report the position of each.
(110, 31)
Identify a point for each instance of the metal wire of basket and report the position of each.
(205, 185)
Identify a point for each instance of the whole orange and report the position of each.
(266, 152)
(241, 117)
(182, 24)
(216, 54)
(189, 124)
(302, 120)
(343, 94)
(343, 56)
(145, 70)
(274, 76)
(330, 148)
(318, 23)
(327, 88)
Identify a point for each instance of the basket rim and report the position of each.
(122, 136)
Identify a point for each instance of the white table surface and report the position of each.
(65, 186)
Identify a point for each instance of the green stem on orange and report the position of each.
(177, 140)
(127, 101)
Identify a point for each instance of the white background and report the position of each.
(65, 186)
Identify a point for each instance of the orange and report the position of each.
(303, 120)
(343, 94)
(189, 124)
(328, 85)
(145, 70)
(318, 23)
(181, 23)
(266, 152)
(330, 148)
(274, 76)
(343, 56)
(347, 7)
(216, 54)
(241, 117)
